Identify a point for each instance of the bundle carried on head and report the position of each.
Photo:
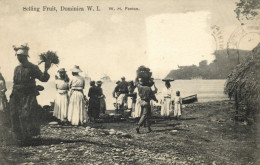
(24, 47)
(145, 74)
(21, 50)
(50, 57)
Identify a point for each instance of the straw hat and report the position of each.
(76, 69)
(99, 82)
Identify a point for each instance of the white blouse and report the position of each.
(77, 82)
(168, 93)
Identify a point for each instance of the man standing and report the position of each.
(123, 91)
(23, 102)
(146, 95)
(115, 95)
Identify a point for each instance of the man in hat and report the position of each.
(23, 103)
(115, 95)
(123, 91)
(146, 95)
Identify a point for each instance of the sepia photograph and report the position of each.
(129, 82)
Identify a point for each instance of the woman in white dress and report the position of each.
(167, 99)
(61, 102)
(77, 114)
(130, 97)
(137, 108)
(154, 89)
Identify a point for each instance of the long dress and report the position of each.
(94, 103)
(154, 89)
(23, 103)
(77, 114)
(137, 109)
(166, 103)
(3, 103)
(131, 98)
(102, 101)
(3, 99)
(61, 103)
(177, 106)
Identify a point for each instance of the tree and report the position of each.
(248, 9)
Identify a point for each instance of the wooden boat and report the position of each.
(168, 79)
(190, 99)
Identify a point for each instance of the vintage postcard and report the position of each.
(129, 81)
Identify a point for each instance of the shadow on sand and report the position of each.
(53, 141)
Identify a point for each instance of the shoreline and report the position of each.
(206, 134)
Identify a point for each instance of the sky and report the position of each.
(160, 35)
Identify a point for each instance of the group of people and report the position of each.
(127, 97)
(139, 99)
(170, 102)
(71, 104)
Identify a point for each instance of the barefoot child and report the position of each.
(177, 105)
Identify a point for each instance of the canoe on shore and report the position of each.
(190, 99)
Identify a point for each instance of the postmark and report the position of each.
(217, 34)
(244, 37)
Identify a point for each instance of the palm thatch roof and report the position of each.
(243, 83)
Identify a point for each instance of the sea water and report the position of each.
(206, 90)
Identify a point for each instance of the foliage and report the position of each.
(218, 69)
(145, 74)
(50, 57)
(243, 82)
(247, 9)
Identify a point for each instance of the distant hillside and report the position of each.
(223, 64)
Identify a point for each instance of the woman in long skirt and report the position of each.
(61, 103)
(102, 98)
(77, 113)
(94, 102)
(3, 99)
(23, 104)
(4, 118)
(137, 109)
(131, 96)
(167, 99)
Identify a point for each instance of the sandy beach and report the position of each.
(206, 134)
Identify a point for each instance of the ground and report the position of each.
(206, 134)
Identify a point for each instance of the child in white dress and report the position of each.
(177, 105)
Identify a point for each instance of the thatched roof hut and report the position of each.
(244, 83)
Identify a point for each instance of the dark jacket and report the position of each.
(122, 87)
(146, 93)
